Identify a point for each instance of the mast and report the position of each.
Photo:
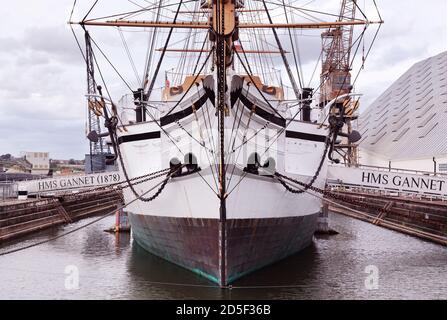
(223, 23)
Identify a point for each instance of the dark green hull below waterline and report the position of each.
(193, 243)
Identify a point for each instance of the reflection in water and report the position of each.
(113, 266)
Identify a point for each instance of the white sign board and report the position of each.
(388, 180)
(71, 182)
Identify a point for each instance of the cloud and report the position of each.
(42, 74)
(55, 43)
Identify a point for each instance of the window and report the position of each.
(403, 96)
(425, 103)
(400, 125)
(380, 130)
(401, 134)
(342, 82)
(428, 92)
(380, 137)
(428, 131)
(425, 77)
(425, 111)
(382, 115)
(426, 121)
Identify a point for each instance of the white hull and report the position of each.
(254, 198)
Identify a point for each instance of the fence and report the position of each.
(8, 190)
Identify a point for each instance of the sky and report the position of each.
(43, 79)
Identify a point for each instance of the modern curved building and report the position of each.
(406, 127)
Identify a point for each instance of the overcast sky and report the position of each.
(42, 75)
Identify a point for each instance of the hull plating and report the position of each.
(193, 243)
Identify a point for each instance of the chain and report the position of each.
(159, 191)
(327, 193)
(310, 184)
(118, 184)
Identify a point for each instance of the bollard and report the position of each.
(323, 218)
(121, 222)
(323, 221)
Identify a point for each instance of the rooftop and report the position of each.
(409, 120)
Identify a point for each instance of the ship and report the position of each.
(224, 129)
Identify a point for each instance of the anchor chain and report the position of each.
(327, 193)
(119, 185)
(310, 184)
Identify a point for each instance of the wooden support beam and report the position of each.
(206, 25)
(238, 50)
(209, 10)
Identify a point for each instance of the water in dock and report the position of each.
(362, 262)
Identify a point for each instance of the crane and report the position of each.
(336, 76)
(100, 154)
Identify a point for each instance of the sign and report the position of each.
(388, 180)
(71, 182)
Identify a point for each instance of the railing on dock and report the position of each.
(8, 190)
(401, 170)
(390, 182)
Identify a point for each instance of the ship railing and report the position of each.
(8, 190)
(127, 109)
(335, 186)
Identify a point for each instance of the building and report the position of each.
(40, 162)
(406, 126)
(103, 162)
(10, 164)
(66, 167)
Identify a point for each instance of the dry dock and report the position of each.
(18, 218)
(423, 218)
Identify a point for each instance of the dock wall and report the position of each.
(423, 218)
(18, 218)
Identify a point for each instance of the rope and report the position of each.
(156, 174)
(91, 9)
(304, 10)
(327, 195)
(192, 83)
(293, 47)
(283, 55)
(150, 48)
(129, 55)
(111, 64)
(137, 11)
(251, 79)
(142, 281)
(157, 69)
